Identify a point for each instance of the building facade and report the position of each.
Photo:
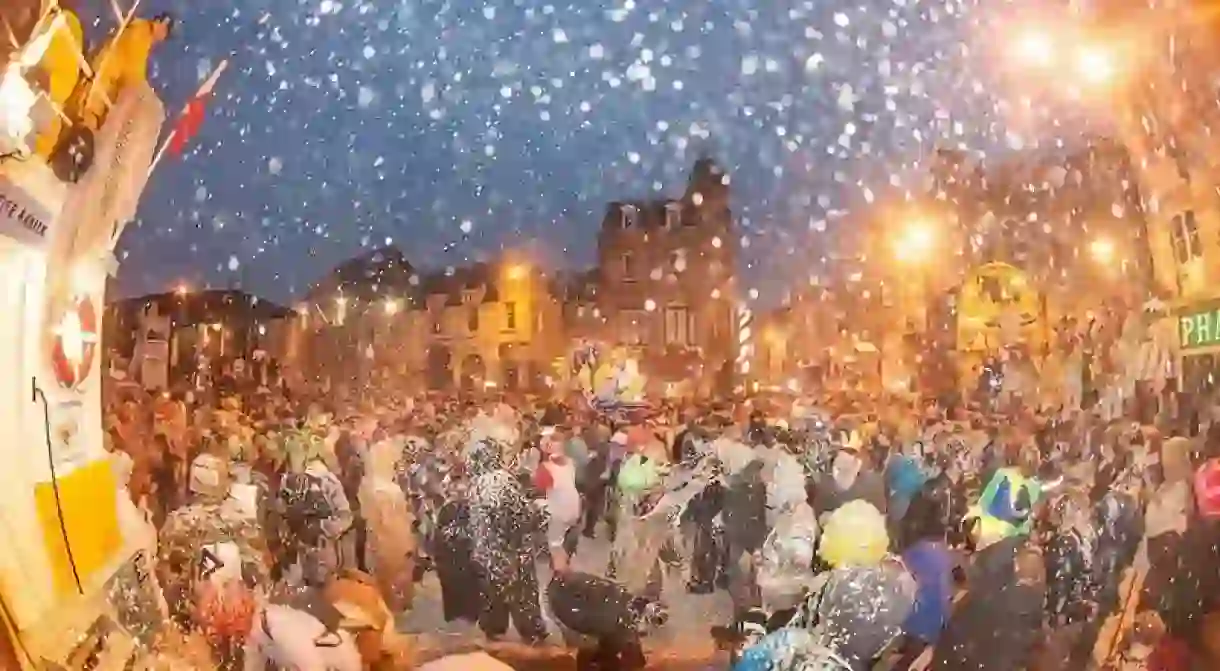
(666, 285)
(171, 339)
(489, 326)
(483, 327)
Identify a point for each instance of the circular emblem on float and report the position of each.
(75, 344)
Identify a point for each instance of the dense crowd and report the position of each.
(862, 533)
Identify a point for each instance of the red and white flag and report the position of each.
(191, 118)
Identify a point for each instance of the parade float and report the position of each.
(610, 382)
(75, 589)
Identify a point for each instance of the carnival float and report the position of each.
(76, 588)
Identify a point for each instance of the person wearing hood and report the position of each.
(502, 524)
(790, 548)
(904, 477)
(390, 541)
(1070, 537)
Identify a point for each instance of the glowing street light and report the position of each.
(1102, 250)
(915, 243)
(391, 306)
(1095, 64)
(182, 290)
(516, 272)
(1036, 48)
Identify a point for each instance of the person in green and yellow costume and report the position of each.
(121, 62)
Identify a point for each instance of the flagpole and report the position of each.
(126, 21)
(204, 89)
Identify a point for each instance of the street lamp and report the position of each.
(1035, 48)
(391, 306)
(915, 242)
(1095, 64)
(1102, 250)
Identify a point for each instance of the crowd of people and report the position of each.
(849, 534)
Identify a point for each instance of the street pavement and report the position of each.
(684, 644)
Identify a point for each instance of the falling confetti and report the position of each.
(384, 120)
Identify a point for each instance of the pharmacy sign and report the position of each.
(1200, 329)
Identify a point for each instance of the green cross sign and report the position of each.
(1199, 329)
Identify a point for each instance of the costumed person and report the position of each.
(313, 510)
(786, 568)
(745, 527)
(556, 478)
(926, 554)
(602, 620)
(638, 479)
(213, 559)
(998, 623)
(867, 596)
(453, 549)
(703, 516)
(852, 612)
(1177, 554)
(1005, 507)
(388, 518)
(1070, 534)
(904, 478)
(851, 478)
(502, 523)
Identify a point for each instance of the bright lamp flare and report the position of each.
(1096, 65)
(1036, 48)
(915, 243)
(1102, 250)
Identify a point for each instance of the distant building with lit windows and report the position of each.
(666, 283)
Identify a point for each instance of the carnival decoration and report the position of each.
(997, 306)
(610, 381)
(75, 344)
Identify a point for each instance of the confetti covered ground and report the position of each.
(684, 644)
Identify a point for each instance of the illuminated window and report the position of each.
(1185, 232)
(510, 316)
(629, 267)
(673, 214)
(631, 327)
(679, 324)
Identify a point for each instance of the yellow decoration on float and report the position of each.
(87, 497)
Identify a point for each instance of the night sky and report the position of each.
(451, 128)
